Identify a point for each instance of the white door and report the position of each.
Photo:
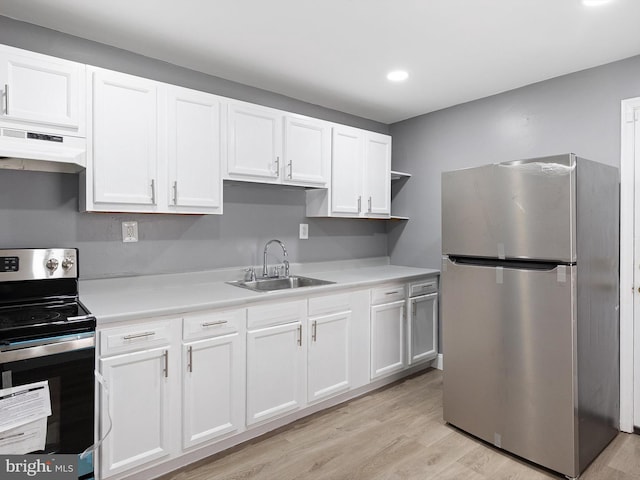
(387, 338)
(124, 136)
(346, 171)
(194, 151)
(328, 355)
(422, 335)
(137, 407)
(630, 266)
(275, 371)
(306, 151)
(254, 143)
(41, 90)
(377, 167)
(212, 389)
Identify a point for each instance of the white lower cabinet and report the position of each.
(136, 403)
(423, 328)
(213, 377)
(276, 369)
(387, 330)
(328, 343)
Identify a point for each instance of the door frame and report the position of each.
(630, 114)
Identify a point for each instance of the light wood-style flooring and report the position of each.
(392, 434)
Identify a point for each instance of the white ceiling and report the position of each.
(336, 53)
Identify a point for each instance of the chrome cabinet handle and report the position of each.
(277, 166)
(153, 191)
(290, 169)
(369, 204)
(166, 363)
(138, 335)
(299, 335)
(190, 361)
(6, 99)
(211, 324)
(175, 192)
(392, 293)
(359, 204)
(314, 331)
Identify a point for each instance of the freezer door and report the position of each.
(508, 337)
(523, 209)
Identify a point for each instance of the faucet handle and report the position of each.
(251, 274)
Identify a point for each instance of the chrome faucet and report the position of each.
(265, 267)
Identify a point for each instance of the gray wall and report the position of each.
(577, 113)
(41, 209)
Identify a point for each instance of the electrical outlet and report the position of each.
(304, 231)
(129, 231)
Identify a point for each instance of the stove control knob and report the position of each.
(67, 263)
(52, 264)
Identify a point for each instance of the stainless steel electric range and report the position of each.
(47, 344)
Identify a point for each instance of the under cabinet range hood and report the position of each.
(31, 150)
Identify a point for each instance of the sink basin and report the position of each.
(270, 284)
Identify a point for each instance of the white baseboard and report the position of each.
(438, 362)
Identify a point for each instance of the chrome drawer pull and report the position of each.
(190, 364)
(138, 335)
(211, 324)
(392, 293)
(166, 363)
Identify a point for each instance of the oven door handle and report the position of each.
(43, 348)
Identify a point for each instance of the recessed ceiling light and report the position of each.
(595, 3)
(397, 76)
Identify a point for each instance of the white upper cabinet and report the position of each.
(194, 150)
(377, 174)
(39, 90)
(307, 151)
(122, 169)
(271, 146)
(360, 176)
(347, 165)
(152, 147)
(254, 143)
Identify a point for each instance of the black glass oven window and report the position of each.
(71, 384)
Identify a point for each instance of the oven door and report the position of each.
(67, 363)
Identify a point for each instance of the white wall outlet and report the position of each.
(129, 231)
(304, 231)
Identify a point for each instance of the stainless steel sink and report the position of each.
(270, 284)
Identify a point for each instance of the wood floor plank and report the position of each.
(396, 433)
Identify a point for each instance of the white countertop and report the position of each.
(128, 298)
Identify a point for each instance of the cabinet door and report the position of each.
(377, 170)
(423, 328)
(346, 171)
(212, 389)
(387, 338)
(193, 142)
(136, 406)
(328, 355)
(306, 151)
(254, 143)
(124, 137)
(275, 371)
(42, 90)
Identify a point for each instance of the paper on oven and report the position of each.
(23, 417)
(27, 438)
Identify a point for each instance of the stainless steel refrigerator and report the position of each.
(530, 307)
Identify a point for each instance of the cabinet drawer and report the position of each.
(423, 287)
(212, 324)
(135, 337)
(387, 293)
(329, 304)
(276, 314)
